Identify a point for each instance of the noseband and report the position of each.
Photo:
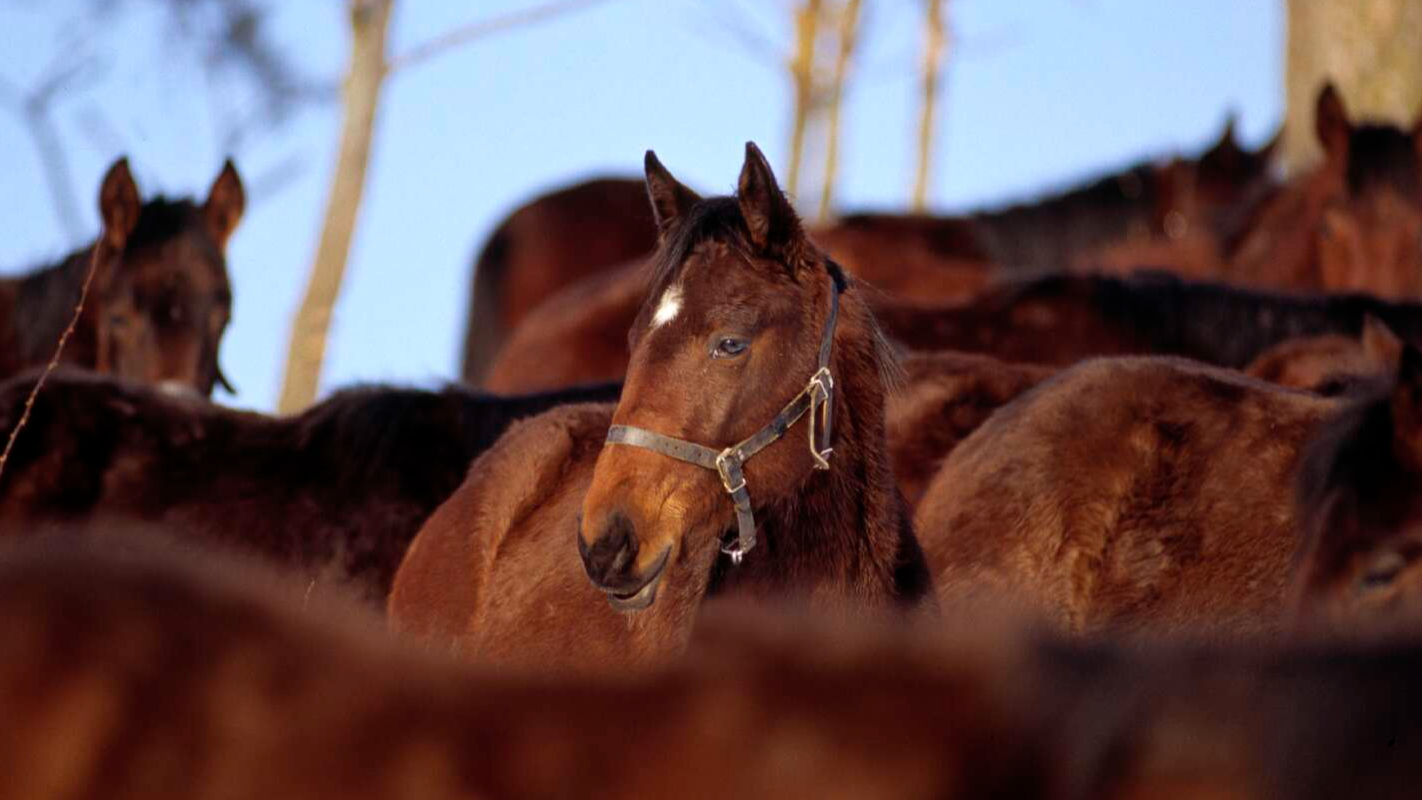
(816, 399)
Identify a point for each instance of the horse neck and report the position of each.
(43, 304)
(838, 539)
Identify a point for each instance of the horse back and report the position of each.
(1125, 490)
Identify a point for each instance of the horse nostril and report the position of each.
(612, 552)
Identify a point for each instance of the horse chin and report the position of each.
(644, 597)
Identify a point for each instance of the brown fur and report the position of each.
(945, 397)
(1058, 319)
(134, 676)
(1127, 493)
(160, 298)
(838, 539)
(334, 494)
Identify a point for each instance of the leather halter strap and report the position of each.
(816, 399)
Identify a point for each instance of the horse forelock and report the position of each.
(1384, 156)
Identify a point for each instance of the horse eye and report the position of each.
(1382, 572)
(730, 347)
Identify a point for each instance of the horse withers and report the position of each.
(160, 298)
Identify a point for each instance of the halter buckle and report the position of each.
(821, 389)
(726, 465)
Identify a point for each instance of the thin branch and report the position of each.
(848, 38)
(101, 246)
(479, 30)
(802, 78)
(935, 42)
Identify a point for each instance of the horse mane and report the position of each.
(1383, 156)
(161, 219)
(717, 218)
(1352, 451)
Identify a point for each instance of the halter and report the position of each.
(816, 398)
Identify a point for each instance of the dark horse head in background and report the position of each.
(160, 299)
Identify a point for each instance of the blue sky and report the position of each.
(1038, 94)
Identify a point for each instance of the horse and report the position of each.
(1357, 500)
(1352, 224)
(1054, 320)
(334, 493)
(1127, 494)
(745, 314)
(160, 299)
(1330, 364)
(549, 242)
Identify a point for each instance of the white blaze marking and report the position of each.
(668, 308)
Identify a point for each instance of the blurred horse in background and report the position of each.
(334, 494)
(1352, 224)
(160, 299)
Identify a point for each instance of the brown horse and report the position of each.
(1058, 319)
(335, 493)
(1131, 493)
(1359, 504)
(160, 300)
(744, 309)
(1352, 224)
(548, 243)
(186, 680)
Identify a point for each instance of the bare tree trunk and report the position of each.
(1370, 49)
(802, 79)
(848, 32)
(370, 20)
(935, 42)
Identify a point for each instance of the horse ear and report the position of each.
(1407, 410)
(1226, 143)
(670, 199)
(1331, 123)
(1380, 344)
(119, 204)
(770, 219)
(226, 201)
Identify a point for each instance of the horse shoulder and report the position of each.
(437, 588)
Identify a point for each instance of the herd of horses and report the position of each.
(1115, 494)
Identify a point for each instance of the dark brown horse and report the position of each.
(1360, 507)
(1352, 224)
(1058, 319)
(335, 493)
(1131, 493)
(160, 300)
(548, 243)
(736, 323)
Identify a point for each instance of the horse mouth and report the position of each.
(642, 597)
